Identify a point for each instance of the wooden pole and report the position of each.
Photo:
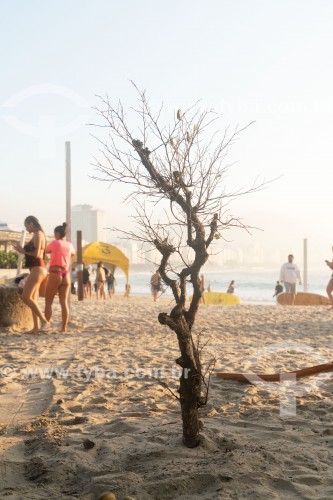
(68, 202)
(305, 264)
(79, 265)
(21, 255)
(68, 192)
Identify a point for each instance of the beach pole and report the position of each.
(305, 264)
(79, 265)
(68, 192)
(21, 255)
(68, 202)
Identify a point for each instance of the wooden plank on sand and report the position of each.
(251, 378)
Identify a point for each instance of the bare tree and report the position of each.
(179, 169)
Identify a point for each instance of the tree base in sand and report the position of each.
(13, 311)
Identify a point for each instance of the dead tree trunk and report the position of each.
(190, 380)
(189, 389)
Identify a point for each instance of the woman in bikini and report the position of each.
(329, 289)
(34, 252)
(59, 279)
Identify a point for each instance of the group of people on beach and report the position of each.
(103, 277)
(57, 279)
(42, 282)
(290, 276)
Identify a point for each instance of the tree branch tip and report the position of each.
(162, 318)
(181, 362)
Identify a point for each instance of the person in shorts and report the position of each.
(155, 284)
(290, 275)
(111, 281)
(87, 288)
(100, 281)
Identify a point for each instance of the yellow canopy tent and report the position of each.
(108, 254)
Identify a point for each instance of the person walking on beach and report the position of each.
(231, 287)
(155, 284)
(111, 281)
(289, 276)
(329, 289)
(278, 289)
(34, 252)
(59, 279)
(73, 280)
(87, 288)
(100, 281)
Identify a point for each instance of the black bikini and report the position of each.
(31, 261)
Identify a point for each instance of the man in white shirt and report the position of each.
(289, 275)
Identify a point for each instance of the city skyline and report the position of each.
(223, 258)
(90, 221)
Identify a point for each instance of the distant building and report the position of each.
(90, 221)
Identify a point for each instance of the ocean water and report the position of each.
(255, 286)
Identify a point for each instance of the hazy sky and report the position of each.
(268, 61)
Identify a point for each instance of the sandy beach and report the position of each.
(83, 413)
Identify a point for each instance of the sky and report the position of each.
(249, 60)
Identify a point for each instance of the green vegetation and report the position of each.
(8, 260)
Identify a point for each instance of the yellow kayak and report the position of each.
(221, 298)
